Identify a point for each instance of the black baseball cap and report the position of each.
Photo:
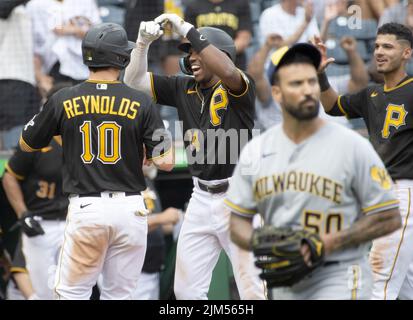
(282, 54)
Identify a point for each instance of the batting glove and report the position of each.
(149, 31)
(178, 24)
(29, 225)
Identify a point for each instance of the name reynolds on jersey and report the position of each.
(298, 182)
(101, 105)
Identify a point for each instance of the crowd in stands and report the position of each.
(40, 44)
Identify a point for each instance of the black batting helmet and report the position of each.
(217, 38)
(107, 45)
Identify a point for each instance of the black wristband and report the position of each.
(198, 41)
(323, 81)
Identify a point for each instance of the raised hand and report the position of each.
(149, 31)
(348, 43)
(325, 61)
(178, 24)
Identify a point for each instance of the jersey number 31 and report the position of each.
(108, 136)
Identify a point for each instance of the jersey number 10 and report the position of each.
(108, 136)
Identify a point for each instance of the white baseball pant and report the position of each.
(41, 254)
(104, 235)
(391, 256)
(204, 233)
(148, 287)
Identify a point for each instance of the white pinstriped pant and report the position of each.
(204, 233)
(391, 256)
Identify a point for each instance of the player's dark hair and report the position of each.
(399, 30)
(96, 69)
(297, 58)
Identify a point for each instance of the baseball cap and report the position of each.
(283, 53)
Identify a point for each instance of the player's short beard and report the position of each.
(300, 113)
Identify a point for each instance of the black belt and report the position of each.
(54, 217)
(330, 263)
(220, 188)
(98, 194)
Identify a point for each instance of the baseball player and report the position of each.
(20, 287)
(310, 174)
(387, 111)
(33, 185)
(104, 125)
(214, 101)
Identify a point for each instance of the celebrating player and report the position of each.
(387, 112)
(33, 185)
(314, 175)
(216, 100)
(104, 125)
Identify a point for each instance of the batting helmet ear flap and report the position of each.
(185, 65)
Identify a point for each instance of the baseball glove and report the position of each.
(278, 254)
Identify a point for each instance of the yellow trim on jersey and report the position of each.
(246, 88)
(25, 147)
(400, 244)
(216, 84)
(152, 87)
(355, 283)
(46, 149)
(399, 86)
(14, 174)
(161, 155)
(18, 270)
(380, 205)
(58, 140)
(340, 106)
(189, 91)
(102, 81)
(238, 208)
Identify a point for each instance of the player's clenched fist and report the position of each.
(149, 31)
(179, 26)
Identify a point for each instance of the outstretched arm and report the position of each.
(358, 71)
(329, 96)
(136, 73)
(216, 60)
(256, 67)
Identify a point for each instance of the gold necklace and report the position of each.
(201, 97)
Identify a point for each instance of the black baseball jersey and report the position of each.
(104, 125)
(19, 261)
(155, 249)
(207, 116)
(40, 177)
(388, 114)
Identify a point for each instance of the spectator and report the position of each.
(372, 9)
(58, 28)
(333, 10)
(401, 13)
(291, 21)
(17, 72)
(234, 17)
(268, 111)
(358, 77)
